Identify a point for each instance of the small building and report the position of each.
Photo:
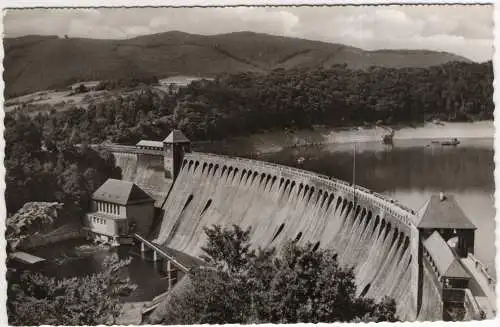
(175, 145)
(443, 214)
(449, 271)
(119, 209)
(150, 145)
(88, 85)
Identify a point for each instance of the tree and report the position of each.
(35, 299)
(22, 135)
(57, 171)
(227, 249)
(245, 285)
(32, 218)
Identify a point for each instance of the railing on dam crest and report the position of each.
(402, 213)
(117, 148)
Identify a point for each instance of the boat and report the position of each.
(437, 122)
(388, 138)
(453, 142)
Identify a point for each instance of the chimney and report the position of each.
(441, 196)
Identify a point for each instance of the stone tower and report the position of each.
(174, 147)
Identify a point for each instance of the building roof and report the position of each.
(121, 192)
(176, 136)
(156, 144)
(445, 213)
(446, 263)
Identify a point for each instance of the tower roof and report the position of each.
(443, 211)
(176, 136)
(443, 257)
(120, 192)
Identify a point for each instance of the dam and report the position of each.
(391, 252)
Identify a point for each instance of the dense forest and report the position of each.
(246, 103)
(241, 104)
(43, 166)
(39, 170)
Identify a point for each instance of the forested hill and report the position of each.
(245, 103)
(34, 63)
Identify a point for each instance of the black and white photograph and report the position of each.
(249, 164)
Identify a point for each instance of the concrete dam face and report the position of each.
(145, 170)
(369, 233)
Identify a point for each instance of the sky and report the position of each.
(465, 30)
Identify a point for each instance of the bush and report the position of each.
(300, 284)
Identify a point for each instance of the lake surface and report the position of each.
(410, 171)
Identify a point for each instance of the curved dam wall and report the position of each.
(368, 232)
(144, 169)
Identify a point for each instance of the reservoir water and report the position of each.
(410, 171)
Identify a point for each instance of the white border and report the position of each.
(149, 3)
(176, 3)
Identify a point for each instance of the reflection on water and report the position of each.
(399, 168)
(79, 258)
(70, 258)
(410, 171)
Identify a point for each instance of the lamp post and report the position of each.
(354, 175)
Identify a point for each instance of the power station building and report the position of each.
(119, 209)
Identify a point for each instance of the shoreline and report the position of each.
(266, 142)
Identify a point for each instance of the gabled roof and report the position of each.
(446, 213)
(156, 144)
(121, 192)
(446, 263)
(176, 136)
